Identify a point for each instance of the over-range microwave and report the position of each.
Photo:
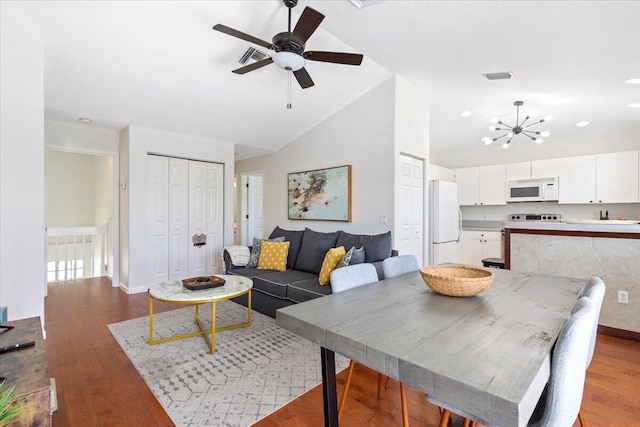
(533, 190)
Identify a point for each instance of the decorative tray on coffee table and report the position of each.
(204, 282)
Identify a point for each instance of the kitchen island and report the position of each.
(609, 250)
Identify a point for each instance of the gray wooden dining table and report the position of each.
(488, 355)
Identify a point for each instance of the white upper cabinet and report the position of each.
(617, 177)
(469, 186)
(602, 178)
(577, 179)
(484, 185)
(544, 168)
(517, 171)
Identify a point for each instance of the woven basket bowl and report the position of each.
(456, 280)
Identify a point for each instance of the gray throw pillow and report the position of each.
(313, 249)
(294, 237)
(255, 250)
(377, 247)
(358, 256)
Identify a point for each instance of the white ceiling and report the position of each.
(159, 64)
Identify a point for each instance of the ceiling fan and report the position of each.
(289, 46)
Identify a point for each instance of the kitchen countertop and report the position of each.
(601, 226)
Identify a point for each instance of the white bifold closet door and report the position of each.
(185, 198)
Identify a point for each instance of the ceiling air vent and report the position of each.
(505, 75)
(252, 55)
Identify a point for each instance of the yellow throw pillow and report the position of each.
(273, 256)
(331, 261)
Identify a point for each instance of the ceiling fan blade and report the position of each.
(241, 35)
(334, 57)
(303, 78)
(307, 24)
(254, 66)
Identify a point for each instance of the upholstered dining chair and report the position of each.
(594, 290)
(561, 400)
(350, 277)
(398, 265)
(393, 267)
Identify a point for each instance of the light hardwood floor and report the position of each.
(98, 386)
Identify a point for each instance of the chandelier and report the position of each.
(521, 128)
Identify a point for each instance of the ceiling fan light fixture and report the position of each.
(288, 61)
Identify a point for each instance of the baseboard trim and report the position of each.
(619, 333)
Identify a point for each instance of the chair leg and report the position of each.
(380, 381)
(403, 401)
(583, 422)
(343, 399)
(465, 423)
(386, 383)
(444, 419)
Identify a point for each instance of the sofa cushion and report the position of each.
(330, 263)
(313, 249)
(273, 256)
(295, 239)
(249, 272)
(275, 282)
(254, 258)
(357, 256)
(376, 247)
(306, 290)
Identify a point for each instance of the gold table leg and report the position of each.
(208, 333)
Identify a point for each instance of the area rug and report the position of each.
(254, 371)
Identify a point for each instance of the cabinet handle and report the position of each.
(599, 201)
(590, 201)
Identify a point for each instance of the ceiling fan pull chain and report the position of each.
(289, 90)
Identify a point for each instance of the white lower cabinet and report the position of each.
(478, 245)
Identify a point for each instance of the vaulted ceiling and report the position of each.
(159, 64)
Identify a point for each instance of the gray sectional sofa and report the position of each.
(307, 248)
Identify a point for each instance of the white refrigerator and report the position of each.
(445, 222)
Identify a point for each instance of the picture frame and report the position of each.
(320, 194)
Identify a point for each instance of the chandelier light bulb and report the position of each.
(545, 134)
(492, 128)
(494, 120)
(548, 118)
(505, 145)
(486, 140)
(510, 135)
(539, 140)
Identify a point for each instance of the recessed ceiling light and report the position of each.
(582, 123)
(634, 81)
(465, 113)
(634, 105)
(85, 120)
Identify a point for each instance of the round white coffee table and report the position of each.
(174, 292)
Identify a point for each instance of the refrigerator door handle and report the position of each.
(459, 224)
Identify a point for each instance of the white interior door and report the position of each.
(178, 218)
(254, 204)
(157, 219)
(197, 216)
(410, 210)
(215, 218)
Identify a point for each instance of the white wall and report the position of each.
(103, 194)
(70, 189)
(362, 135)
(101, 145)
(412, 138)
(135, 143)
(80, 137)
(22, 189)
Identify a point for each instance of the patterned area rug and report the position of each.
(254, 371)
